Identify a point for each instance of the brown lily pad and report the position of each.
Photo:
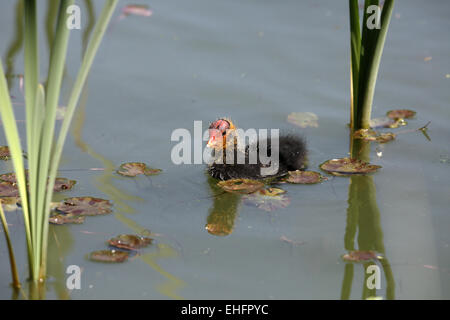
(303, 119)
(347, 166)
(387, 122)
(304, 177)
(242, 186)
(109, 256)
(401, 114)
(132, 169)
(66, 218)
(267, 199)
(359, 256)
(63, 184)
(370, 135)
(130, 241)
(8, 189)
(4, 153)
(85, 206)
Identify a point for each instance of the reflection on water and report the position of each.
(15, 45)
(363, 218)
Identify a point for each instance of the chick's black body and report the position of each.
(292, 156)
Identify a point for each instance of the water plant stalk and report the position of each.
(41, 106)
(366, 52)
(12, 260)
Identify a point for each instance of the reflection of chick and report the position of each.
(223, 213)
(292, 154)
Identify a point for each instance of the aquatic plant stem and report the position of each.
(89, 55)
(12, 260)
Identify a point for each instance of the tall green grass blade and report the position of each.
(31, 62)
(90, 53)
(12, 260)
(57, 62)
(370, 63)
(355, 45)
(15, 148)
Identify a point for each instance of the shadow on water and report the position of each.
(363, 220)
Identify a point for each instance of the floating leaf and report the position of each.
(132, 169)
(243, 186)
(387, 122)
(347, 166)
(359, 256)
(137, 10)
(130, 241)
(8, 189)
(109, 256)
(85, 206)
(401, 114)
(267, 199)
(370, 135)
(304, 177)
(66, 218)
(303, 119)
(9, 203)
(4, 153)
(63, 184)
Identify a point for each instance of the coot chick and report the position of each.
(223, 137)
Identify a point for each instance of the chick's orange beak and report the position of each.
(215, 138)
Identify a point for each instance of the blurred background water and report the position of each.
(256, 62)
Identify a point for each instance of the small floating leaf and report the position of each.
(132, 169)
(137, 10)
(9, 203)
(109, 256)
(370, 135)
(85, 206)
(63, 184)
(267, 199)
(8, 189)
(66, 218)
(304, 177)
(218, 229)
(347, 166)
(4, 153)
(401, 114)
(243, 186)
(303, 119)
(359, 256)
(386, 122)
(130, 241)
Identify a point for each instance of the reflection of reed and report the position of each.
(223, 213)
(118, 196)
(363, 217)
(16, 44)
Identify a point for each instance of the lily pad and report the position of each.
(359, 256)
(401, 114)
(347, 166)
(303, 119)
(109, 256)
(304, 177)
(386, 122)
(4, 153)
(66, 218)
(132, 169)
(267, 199)
(63, 184)
(8, 189)
(370, 135)
(85, 206)
(242, 186)
(130, 242)
(9, 203)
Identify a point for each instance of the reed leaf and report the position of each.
(12, 260)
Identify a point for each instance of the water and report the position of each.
(255, 62)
